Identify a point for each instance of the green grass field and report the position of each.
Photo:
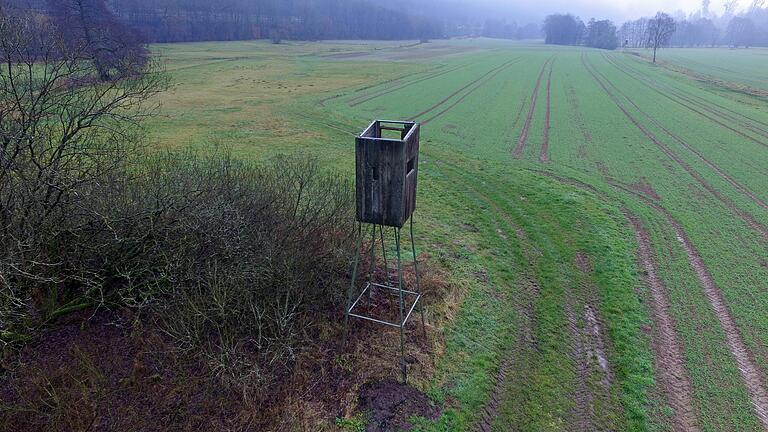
(736, 69)
(606, 219)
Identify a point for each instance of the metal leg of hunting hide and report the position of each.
(372, 266)
(384, 254)
(351, 290)
(418, 279)
(403, 366)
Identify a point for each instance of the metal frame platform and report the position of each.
(396, 286)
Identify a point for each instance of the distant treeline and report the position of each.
(224, 20)
(566, 29)
(699, 29)
(202, 20)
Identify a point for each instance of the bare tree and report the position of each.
(729, 7)
(63, 131)
(660, 30)
(88, 26)
(740, 32)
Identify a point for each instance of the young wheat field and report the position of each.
(605, 219)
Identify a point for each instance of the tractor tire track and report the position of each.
(369, 97)
(485, 77)
(589, 353)
(725, 113)
(519, 113)
(725, 176)
(544, 155)
(518, 151)
(514, 360)
(461, 99)
(517, 359)
(698, 111)
(573, 101)
(747, 218)
(745, 359)
(719, 111)
(756, 125)
(588, 350)
(669, 360)
(359, 93)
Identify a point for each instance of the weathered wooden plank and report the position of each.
(386, 173)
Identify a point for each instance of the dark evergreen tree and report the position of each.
(563, 29)
(601, 34)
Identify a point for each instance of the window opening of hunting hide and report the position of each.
(386, 170)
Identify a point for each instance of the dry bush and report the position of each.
(263, 253)
(64, 136)
(235, 257)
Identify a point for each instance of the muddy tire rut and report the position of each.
(544, 155)
(751, 374)
(522, 140)
(669, 361)
(485, 77)
(706, 112)
(743, 215)
(589, 352)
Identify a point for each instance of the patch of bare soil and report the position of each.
(116, 371)
(390, 406)
(645, 188)
(107, 373)
(589, 352)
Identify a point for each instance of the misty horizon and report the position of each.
(522, 12)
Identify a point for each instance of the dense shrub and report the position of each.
(235, 257)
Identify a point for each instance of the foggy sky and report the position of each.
(617, 10)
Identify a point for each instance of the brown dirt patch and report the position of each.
(582, 262)
(115, 371)
(645, 188)
(106, 373)
(390, 406)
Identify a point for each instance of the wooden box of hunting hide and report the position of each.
(387, 163)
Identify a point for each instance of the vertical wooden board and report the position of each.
(385, 176)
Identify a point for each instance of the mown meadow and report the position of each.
(603, 220)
